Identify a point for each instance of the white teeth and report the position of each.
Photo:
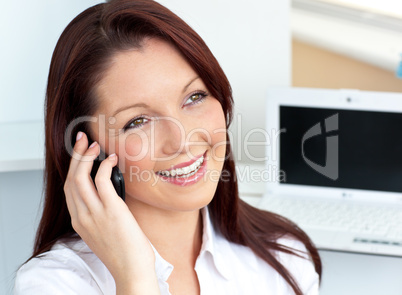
(193, 168)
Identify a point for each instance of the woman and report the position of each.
(131, 79)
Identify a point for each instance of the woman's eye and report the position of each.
(138, 122)
(196, 98)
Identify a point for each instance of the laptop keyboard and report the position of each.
(369, 223)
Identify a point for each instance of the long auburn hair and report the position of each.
(80, 58)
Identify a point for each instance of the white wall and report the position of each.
(251, 40)
(28, 33)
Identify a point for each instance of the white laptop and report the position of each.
(338, 166)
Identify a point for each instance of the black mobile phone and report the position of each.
(116, 178)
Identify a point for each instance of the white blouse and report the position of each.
(222, 267)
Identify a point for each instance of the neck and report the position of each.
(177, 236)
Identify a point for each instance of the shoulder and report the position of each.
(248, 267)
(300, 266)
(68, 268)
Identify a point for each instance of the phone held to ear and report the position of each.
(116, 178)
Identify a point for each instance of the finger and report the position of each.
(106, 190)
(70, 184)
(86, 193)
(76, 206)
(75, 195)
(80, 147)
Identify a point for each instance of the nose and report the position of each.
(172, 136)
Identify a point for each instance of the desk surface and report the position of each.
(358, 274)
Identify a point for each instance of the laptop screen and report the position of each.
(341, 148)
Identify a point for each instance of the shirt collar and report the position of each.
(214, 243)
(162, 267)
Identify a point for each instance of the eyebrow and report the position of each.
(143, 105)
(191, 82)
(137, 105)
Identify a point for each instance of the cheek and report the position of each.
(134, 153)
(136, 146)
(217, 129)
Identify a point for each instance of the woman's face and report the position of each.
(169, 133)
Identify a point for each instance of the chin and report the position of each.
(182, 199)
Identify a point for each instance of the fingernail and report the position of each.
(93, 144)
(79, 135)
(112, 156)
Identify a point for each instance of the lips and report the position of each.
(185, 173)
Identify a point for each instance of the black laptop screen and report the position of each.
(341, 148)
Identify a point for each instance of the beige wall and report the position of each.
(319, 68)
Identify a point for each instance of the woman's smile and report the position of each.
(186, 173)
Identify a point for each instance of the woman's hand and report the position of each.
(105, 223)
